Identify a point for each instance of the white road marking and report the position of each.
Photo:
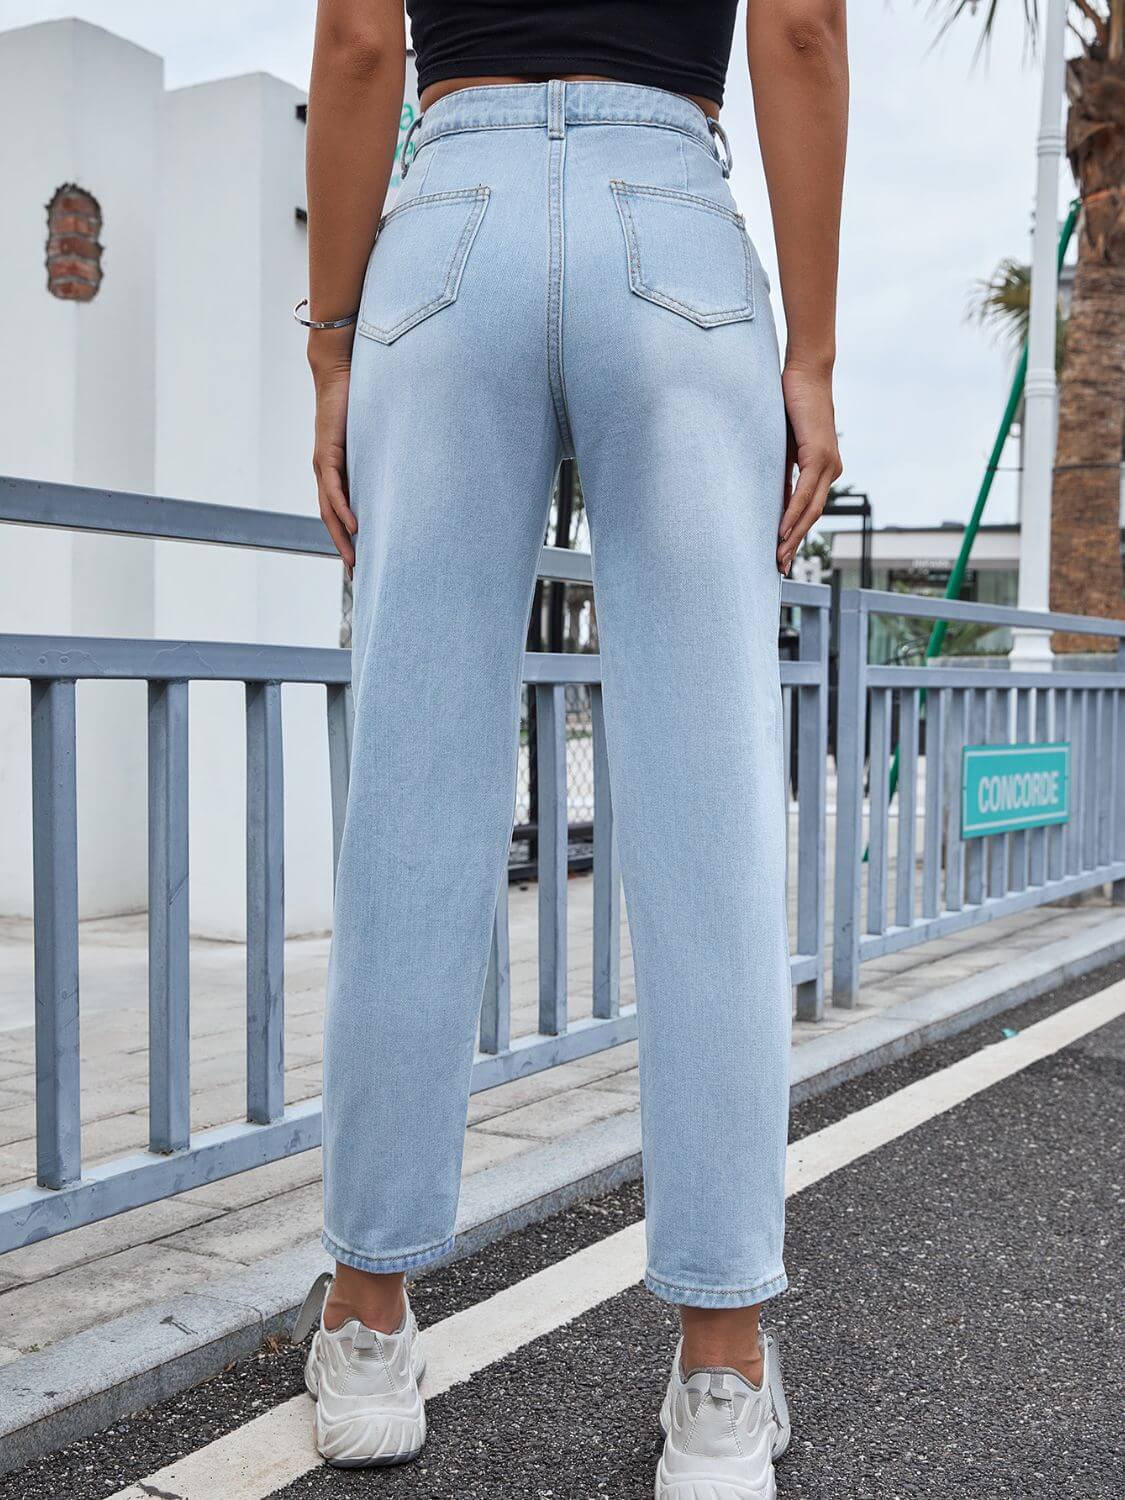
(270, 1451)
(867, 1129)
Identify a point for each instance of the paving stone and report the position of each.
(17, 1121)
(258, 1184)
(102, 1140)
(15, 1077)
(247, 1234)
(889, 963)
(628, 1083)
(623, 1056)
(556, 1117)
(227, 1102)
(551, 1081)
(35, 1314)
(13, 1168)
(17, 1042)
(955, 968)
(92, 1242)
(484, 1149)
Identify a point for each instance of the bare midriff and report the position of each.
(445, 86)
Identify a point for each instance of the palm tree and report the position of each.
(1086, 576)
(1003, 302)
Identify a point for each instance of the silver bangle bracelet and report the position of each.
(310, 323)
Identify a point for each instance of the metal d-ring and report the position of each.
(726, 156)
(404, 165)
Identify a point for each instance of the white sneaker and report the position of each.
(369, 1410)
(722, 1434)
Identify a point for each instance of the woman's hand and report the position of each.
(812, 449)
(330, 360)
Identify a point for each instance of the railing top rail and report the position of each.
(937, 675)
(72, 507)
(807, 595)
(564, 566)
(877, 602)
(31, 502)
(77, 658)
(82, 658)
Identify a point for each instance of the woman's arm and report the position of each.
(797, 50)
(355, 102)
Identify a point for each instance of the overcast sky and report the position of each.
(940, 184)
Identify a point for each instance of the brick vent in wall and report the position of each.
(74, 251)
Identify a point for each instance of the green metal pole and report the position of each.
(960, 567)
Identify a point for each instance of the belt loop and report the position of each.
(556, 108)
(726, 156)
(404, 165)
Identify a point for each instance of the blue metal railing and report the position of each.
(964, 882)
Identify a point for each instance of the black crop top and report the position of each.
(667, 44)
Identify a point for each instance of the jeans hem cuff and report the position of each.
(385, 1264)
(716, 1296)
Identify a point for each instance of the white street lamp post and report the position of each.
(1032, 647)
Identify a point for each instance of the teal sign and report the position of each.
(1006, 787)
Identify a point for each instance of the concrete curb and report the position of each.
(83, 1383)
(900, 1029)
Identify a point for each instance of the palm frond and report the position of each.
(953, 10)
(1003, 302)
(1089, 20)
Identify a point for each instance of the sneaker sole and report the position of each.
(400, 1440)
(700, 1487)
(351, 1443)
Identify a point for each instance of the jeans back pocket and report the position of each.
(686, 253)
(418, 260)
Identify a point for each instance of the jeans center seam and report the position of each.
(556, 156)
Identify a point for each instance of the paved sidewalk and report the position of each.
(74, 1281)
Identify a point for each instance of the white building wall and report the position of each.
(185, 376)
(234, 426)
(78, 105)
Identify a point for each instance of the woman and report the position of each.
(566, 274)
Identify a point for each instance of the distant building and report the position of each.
(154, 245)
(919, 559)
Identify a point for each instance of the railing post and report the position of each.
(937, 707)
(550, 733)
(169, 1033)
(906, 853)
(1037, 844)
(265, 906)
(850, 731)
(54, 824)
(976, 733)
(607, 876)
(879, 809)
(1018, 842)
(956, 738)
(812, 800)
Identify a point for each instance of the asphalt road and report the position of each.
(953, 1326)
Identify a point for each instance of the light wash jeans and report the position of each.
(565, 274)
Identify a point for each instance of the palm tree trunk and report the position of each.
(1086, 573)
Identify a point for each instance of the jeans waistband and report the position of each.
(557, 105)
